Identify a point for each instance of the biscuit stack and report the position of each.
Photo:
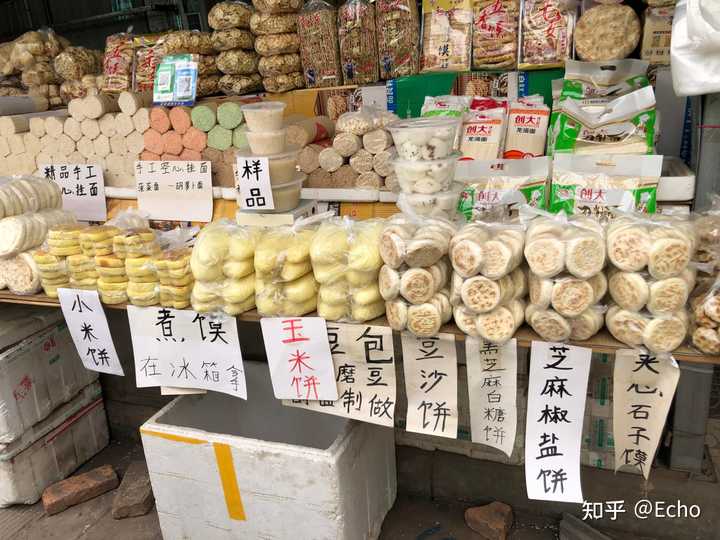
(53, 271)
(495, 33)
(650, 281)
(222, 265)
(112, 279)
(488, 285)
(176, 280)
(82, 272)
(346, 262)
(706, 320)
(284, 281)
(415, 276)
(566, 283)
(138, 248)
(98, 240)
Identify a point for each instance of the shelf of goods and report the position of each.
(602, 342)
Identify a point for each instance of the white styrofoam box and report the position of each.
(224, 468)
(37, 375)
(677, 182)
(53, 448)
(18, 322)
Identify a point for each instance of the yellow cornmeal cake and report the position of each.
(98, 240)
(175, 277)
(53, 271)
(112, 280)
(143, 285)
(135, 243)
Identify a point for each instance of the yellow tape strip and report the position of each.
(171, 437)
(226, 467)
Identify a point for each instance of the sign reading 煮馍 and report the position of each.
(82, 187)
(89, 329)
(186, 349)
(364, 362)
(557, 391)
(298, 354)
(430, 370)
(492, 392)
(175, 190)
(252, 182)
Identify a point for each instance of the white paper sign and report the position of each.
(252, 182)
(179, 347)
(298, 353)
(364, 362)
(492, 391)
(89, 329)
(556, 408)
(430, 368)
(82, 187)
(643, 389)
(175, 190)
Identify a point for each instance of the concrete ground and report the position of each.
(435, 488)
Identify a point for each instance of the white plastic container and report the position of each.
(52, 449)
(677, 182)
(425, 176)
(264, 116)
(283, 166)
(37, 375)
(219, 469)
(442, 204)
(266, 143)
(425, 138)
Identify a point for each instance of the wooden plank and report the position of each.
(602, 342)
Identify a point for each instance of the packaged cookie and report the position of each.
(502, 185)
(607, 32)
(495, 34)
(705, 319)
(547, 32)
(658, 334)
(552, 326)
(492, 250)
(415, 243)
(636, 291)
(574, 244)
(447, 35)
(346, 260)
(398, 28)
(319, 49)
(594, 185)
(421, 320)
(357, 39)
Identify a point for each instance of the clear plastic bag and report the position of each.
(658, 334)
(495, 34)
(492, 250)
(319, 49)
(346, 261)
(118, 62)
(414, 242)
(357, 40)
(447, 36)
(558, 243)
(705, 318)
(547, 32)
(398, 29)
(638, 291)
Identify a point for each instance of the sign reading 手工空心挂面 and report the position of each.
(175, 190)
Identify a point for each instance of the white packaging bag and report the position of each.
(695, 47)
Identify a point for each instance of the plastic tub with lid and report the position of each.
(286, 197)
(425, 176)
(264, 116)
(283, 166)
(425, 138)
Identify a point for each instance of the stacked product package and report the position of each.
(650, 281)
(235, 44)
(175, 277)
(346, 261)
(360, 155)
(277, 42)
(566, 257)
(414, 279)
(137, 247)
(488, 285)
(222, 264)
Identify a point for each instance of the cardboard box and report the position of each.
(220, 469)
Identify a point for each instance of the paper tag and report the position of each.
(252, 182)
(89, 329)
(492, 392)
(175, 80)
(557, 391)
(298, 353)
(643, 390)
(175, 190)
(430, 368)
(179, 347)
(82, 187)
(364, 362)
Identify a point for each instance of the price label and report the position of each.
(186, 349)
(175, 190)
(298, 353)
(252, 181)
(82, 187)
(89, 329)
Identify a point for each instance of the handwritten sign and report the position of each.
(182, 348)
(556, 407)
(430, 369)
(89, 329)
(643, 389)
(298, 352)
(364, 362)
(82, 187)
(175, 190)
(492, 391)
(252, 181)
